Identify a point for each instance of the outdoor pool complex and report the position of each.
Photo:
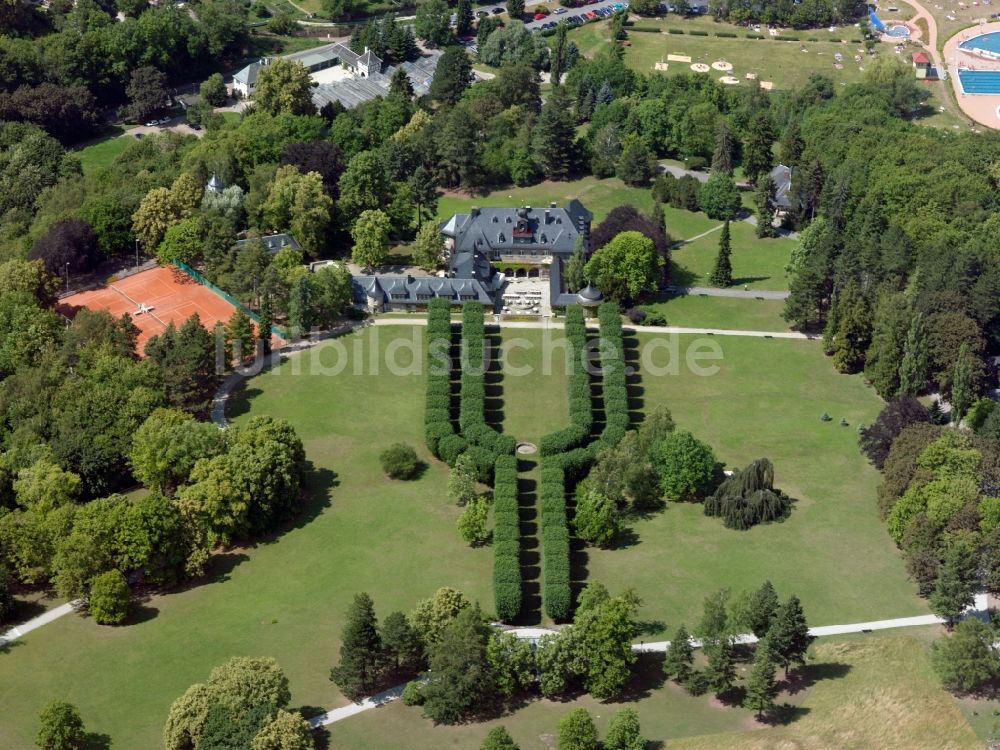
(980, 81)
(988, 43)
(898, 31)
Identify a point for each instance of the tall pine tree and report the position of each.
(360, 650)
(914, 368)
(679, 658)
(720, 674)
(553, 137)
(963, 389)
(761, 609)
(789, 634)
(761, 687)
(463, 18)
(266, 321)
(722, 272)
(722, 159)
(764, 197)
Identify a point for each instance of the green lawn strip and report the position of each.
(833, 552)
(683, 225)
(757, 263)
(396, 540)
(874, 690)
(729, 313)
(598, 196)
(99, 155)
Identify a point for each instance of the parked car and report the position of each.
(163, 121)
(590, 15)
(559, 11)
(481, 14)
(194, 126)
(538, 17)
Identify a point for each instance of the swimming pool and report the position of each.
(985, 42)
(980, 81)
(898, 31)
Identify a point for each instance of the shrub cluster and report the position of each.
(438, 430)
(556, 594)
(581, 414)
(506, 540)
(471, 418)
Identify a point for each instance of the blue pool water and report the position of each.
(898, 31)
(989, 42)
(980, 81)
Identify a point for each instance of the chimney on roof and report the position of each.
(552, 204)
(546, 216)
(474, 211)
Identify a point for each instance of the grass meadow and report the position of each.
(286, 597)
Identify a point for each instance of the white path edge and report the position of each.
(533, 634)
(36, 622)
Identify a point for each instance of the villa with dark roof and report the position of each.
(527, 241)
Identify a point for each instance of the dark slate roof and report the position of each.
(273, 242)
(409, 290)
(590, 295)
(353, 91)
(782, 177)
(552, 229)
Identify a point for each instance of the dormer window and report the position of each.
(558, 221)
(495, 220)
(544, 238)
(508, 220)
(501, 238)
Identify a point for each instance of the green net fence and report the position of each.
(275, 330)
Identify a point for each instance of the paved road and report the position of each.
(710, 291)
(679, 172)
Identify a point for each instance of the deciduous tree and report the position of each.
(284, 86)
(371, 239)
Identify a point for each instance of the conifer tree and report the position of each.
(916, 358)
(761, 687)
(763, 605)
(266, 321)
(360, 650)
(789, 634)
(956, 581)
(722, 273)
(764, 197)
(963, 391)
(679, 658)
(463, 18)
(722, 159)
(720, 674)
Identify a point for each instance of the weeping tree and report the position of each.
(747, 497)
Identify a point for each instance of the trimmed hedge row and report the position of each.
(439, 434)
(556, 594)
(614, 391)
(506, 540)
(581, 414)
(472, 408)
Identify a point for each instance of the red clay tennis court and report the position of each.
(154, 299)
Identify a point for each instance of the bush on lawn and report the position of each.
(399, 461)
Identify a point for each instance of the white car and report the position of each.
(152, 123)
(163, 121)
(559, 10)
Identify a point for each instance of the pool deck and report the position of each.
(980, 107)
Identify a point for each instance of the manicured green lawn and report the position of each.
(99, 155)
(286, 597)
(598, 196)
(757, 263)
(728, 313)
(766, 400)
(781, 62)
